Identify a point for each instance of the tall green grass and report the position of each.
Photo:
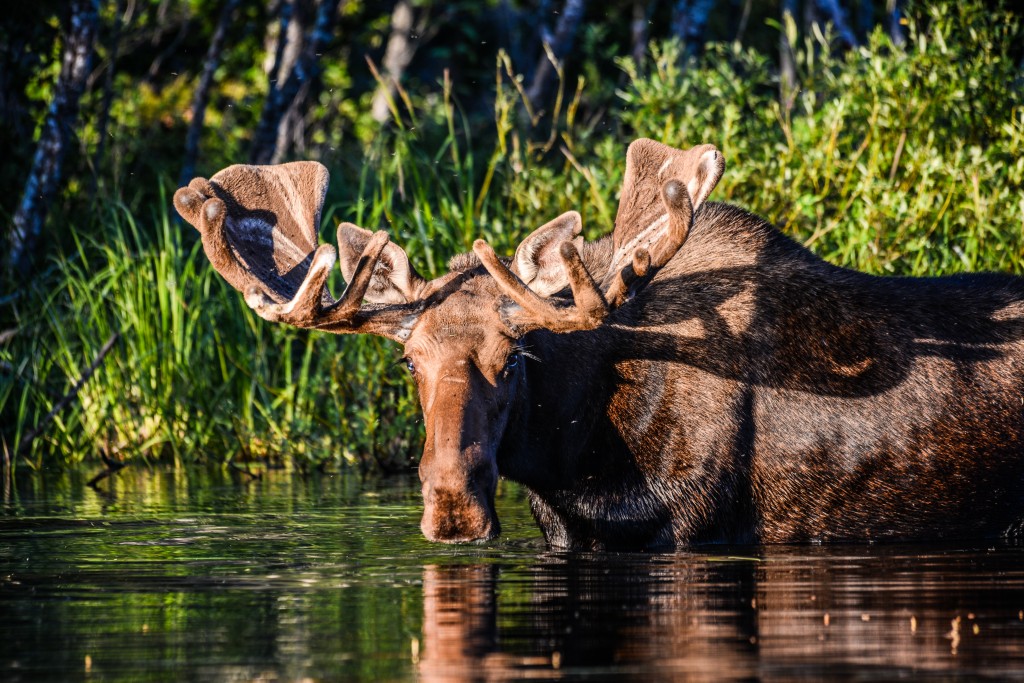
(905, 161)
(195, 375)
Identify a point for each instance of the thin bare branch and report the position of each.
(70, 396)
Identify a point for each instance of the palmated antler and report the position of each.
(259, 230)
(649, 231)
(591, 303)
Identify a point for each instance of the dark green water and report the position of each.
(175, 577)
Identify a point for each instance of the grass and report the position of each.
(891, 161)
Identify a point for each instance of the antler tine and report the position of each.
(590, 303)
(307, 308)
(626, 276)
(589, 310)
(676, 199)
(352, 298)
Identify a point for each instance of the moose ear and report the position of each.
(537, 261)
(649, 165)
(394, 280)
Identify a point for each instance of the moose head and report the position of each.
(465, 333)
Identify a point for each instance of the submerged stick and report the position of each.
(244, 470)
(70, 396)
(113, 467)
(8, 472)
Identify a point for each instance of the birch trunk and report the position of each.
(269, 145)
(399, 52)
(787, 67)
(561, 44)
(58, 129)
(202, 94)
(640, 30)
(893, 18)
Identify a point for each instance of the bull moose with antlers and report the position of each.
(696, 376)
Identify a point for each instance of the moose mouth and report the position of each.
(458, 516)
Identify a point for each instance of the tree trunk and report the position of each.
(285, 49)
(835, 13)
(744, 19)
(296, 22)
(202, 93)
(893, 18)
(640, 30)
(280, 13)
(787, 67)
(689, 19)
(58, 128)
(291, 132)
(269, 145)
(560, 44)
(399, 52)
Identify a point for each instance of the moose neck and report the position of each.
(555, 412)
(604, 413)
(564, 395)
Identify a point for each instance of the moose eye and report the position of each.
(512, 363)
(409, 365)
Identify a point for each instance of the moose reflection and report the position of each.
(685, 617)
(694, 377)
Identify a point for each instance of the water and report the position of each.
(174, 577)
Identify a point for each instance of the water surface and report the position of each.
(167, 576)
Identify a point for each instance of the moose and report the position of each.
(694, 377)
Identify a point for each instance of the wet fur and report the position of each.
(755, 393)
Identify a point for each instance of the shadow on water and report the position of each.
(197, 577)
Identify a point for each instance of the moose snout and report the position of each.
(460, 510)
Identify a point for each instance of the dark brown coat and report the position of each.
(755, 393)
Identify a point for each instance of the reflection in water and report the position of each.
(460, 623)
(572, 615)
(175, 577)
(788, 613)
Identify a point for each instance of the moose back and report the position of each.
(696, 376)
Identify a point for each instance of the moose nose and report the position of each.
(458, 515)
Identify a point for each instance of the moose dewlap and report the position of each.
(696, 376)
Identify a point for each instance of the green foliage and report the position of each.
(890, 161)
(903, 161)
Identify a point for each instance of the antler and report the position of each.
(587, 313)
(662, 190)
(313, 305)
(642, 257)
(258, 226)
